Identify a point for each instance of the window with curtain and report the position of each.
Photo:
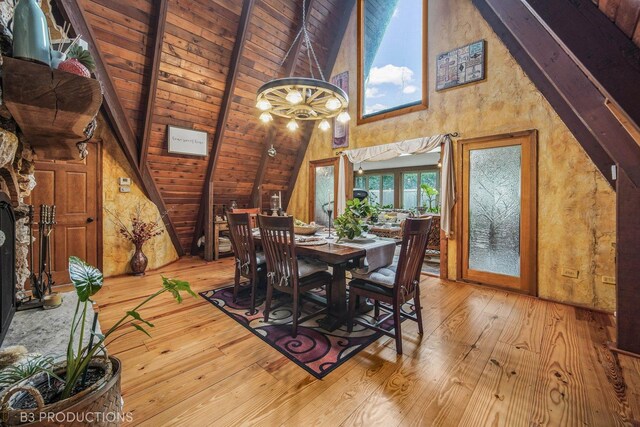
(391, 55)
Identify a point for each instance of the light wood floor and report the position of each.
(487, 358)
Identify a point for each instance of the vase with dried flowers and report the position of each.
(139, 232)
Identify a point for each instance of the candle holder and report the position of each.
(328, 209)
(275, 204)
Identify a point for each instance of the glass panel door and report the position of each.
(494, 210)
(498, 211)
(324, 193)
(323, 187)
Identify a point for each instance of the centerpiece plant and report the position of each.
(353, 222)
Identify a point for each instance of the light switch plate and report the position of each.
(124, 181)
(609, 280)
(570, 272)
(125, 189)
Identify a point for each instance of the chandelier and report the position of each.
(303, 98)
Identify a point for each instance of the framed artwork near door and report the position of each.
(496, 210)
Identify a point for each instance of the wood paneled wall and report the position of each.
(196, 50)
(626, 15)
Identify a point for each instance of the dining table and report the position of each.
(341, 258)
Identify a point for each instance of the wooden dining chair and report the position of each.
(253, 213)
(396, 284)
(285, 272)
(250, 264)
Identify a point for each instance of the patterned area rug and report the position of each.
(315, 350)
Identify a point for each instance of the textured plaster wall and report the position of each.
(117, 251)
(576, 223)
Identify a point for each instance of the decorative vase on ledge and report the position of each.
(139, 262)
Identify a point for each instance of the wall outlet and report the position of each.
(125, 189)
(570, 272)
(609, 280)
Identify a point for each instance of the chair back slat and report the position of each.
(253, 213)
(278, 242)
(414, 244)
(242, 243)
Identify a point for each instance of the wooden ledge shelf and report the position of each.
(51, 107)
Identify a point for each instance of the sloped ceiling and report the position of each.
(625, 14)
(198, 38)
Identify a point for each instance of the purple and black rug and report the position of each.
(315, 350)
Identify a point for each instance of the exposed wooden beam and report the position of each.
(161, 20)
(575, 87)
(289, 69)
(331, 61)
(73, 13)
(205, 213)
(627, 262)
(589, 143)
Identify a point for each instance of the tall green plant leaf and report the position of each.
(86, 278)
(175, 286)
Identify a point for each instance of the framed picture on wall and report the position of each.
(187, 141)
(341, 130)
(461, 66)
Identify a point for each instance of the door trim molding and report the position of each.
(529, 260)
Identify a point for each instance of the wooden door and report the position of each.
(73, 187)
(323, 189)
(497, 211)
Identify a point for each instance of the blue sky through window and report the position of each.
(395, 77)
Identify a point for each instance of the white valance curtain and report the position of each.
(412, 146)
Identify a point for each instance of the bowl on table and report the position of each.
(306, 230)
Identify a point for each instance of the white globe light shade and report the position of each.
(292, 125)
(343, 117)
(263, 105)
(294, 97)
(324, 125)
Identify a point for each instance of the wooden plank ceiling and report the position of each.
(625, 14)
(198, 38)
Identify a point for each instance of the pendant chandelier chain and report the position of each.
(307, 42)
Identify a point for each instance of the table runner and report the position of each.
(379, 251)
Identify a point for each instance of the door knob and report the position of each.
(90, 220)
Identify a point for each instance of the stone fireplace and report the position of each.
(7, 263)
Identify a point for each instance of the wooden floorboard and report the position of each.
(487, 357)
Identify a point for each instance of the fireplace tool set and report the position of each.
(41, 278)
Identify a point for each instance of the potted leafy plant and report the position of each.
(431, 195)
(88, 381)
(352, 223)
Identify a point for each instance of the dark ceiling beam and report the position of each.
(161, 20)
(603, 52)
(289, 70)
(308, 133)
(205, 212)
(627, 262)
(590, 144)
(575, 87)
(73, 13)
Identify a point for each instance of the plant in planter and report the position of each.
(86, 381)
(138, 233)
(431, 195)
(352, 223)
